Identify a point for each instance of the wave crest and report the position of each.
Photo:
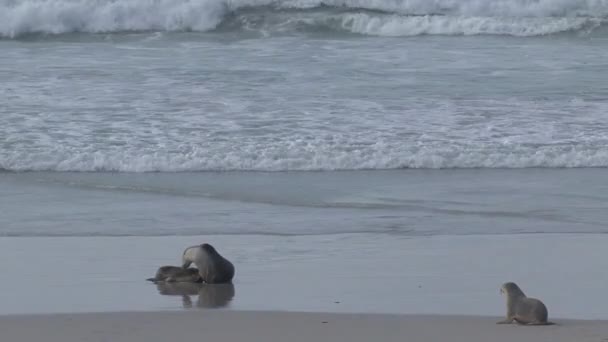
(372, 17)
(64, 16)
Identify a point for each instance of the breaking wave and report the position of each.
(373, 17)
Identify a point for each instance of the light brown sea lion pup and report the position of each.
(521, 309)
(176, 274)
(212, 267)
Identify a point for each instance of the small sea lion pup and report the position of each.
(212, 267)
(176, 274)
(521, 309)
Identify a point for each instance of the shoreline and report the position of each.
(558, 321)
(261, 326)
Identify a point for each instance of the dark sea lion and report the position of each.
(176, 274)
(521, 309)
(212, 267)
(209, 295)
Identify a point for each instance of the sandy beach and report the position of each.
(229, 326)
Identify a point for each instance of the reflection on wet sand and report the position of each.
(209, 295)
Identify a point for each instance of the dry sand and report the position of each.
(233, 326)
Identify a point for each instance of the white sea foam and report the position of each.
(395, 25)
(63, 16)
(306, 157)
(498, 8)
(396, 18)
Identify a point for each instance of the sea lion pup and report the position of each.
(176, 274)
(212, 267)
(521, 309)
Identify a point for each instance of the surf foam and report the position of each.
(375, 17)
(306, 157)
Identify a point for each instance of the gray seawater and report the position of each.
(164, 117)
(407, 203)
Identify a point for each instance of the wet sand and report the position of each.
(341, 273)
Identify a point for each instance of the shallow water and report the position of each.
(323, 273)
(401, 202)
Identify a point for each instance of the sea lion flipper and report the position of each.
(521, 322)
(152, 280)
(541, 323)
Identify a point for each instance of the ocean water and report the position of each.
(297, 122)
(411, 203)
(209, 85)
(300, 117)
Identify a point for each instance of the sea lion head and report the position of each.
(208, 248)
(511, 289)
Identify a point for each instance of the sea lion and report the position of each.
(212, 267)
(521, 309)
(176, 274)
